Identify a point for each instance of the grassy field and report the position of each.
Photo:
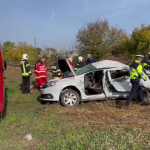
(90, 126)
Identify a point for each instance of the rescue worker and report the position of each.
(90, 59)
(26, 73)
(146, 63)
(80, 63)
(56, 71)
(70, 61)
(136, 72)
(40, 72)
(43, 63)
(37, 81)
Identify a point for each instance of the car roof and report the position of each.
(108, 64)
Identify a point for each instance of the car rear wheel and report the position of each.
(145, 96)
(70, 98)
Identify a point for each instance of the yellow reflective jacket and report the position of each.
(136, 70)
(25, 68)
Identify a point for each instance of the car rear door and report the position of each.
(1, 83)
(120, 86)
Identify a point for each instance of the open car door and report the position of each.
(1, 83)
(120, 86)
(65, 67)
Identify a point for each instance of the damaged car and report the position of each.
(101, 80)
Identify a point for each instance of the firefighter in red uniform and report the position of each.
(43, 63)
(40, 72)
(70, 61)
(37, 81)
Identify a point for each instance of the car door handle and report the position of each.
(1, 70)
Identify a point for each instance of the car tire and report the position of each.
(145, 95)
(69, 98)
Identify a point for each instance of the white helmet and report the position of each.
(25, 57)
(80, 58)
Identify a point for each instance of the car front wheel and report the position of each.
(70, 98)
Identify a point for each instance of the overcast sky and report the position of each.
(55, 23)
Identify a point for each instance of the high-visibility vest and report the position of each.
(136, 70)
(25, 68)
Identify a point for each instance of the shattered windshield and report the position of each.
(85, 69)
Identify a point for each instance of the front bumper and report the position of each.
(46, 95)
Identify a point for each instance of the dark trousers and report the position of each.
(25, 84)
(135, 91)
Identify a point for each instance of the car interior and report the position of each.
(93, 83)
(119, 75)
(116, 76)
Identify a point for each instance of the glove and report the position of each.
(145, 79)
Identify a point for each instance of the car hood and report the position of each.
(64, 66)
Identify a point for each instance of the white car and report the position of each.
(74, 87)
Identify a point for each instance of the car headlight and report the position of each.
(52, 83)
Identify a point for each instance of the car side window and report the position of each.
(119, 75)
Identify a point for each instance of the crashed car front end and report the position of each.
(50, 90)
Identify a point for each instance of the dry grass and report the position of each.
(92, 125)
(106, 116)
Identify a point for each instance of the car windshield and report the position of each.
(85, 69)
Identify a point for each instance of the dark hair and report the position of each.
(38, 61)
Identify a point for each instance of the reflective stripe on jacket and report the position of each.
(56, 71)
(40, 71)
(136, 70)
(25, 68)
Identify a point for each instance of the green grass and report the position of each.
(90, 126)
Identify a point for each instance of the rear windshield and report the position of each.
(85, 69)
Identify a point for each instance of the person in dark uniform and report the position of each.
(80, 63)
(146, 63)
(136, 72)
(26, 73)
(90, 59)
(56, 71)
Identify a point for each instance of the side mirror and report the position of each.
(5, 65)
